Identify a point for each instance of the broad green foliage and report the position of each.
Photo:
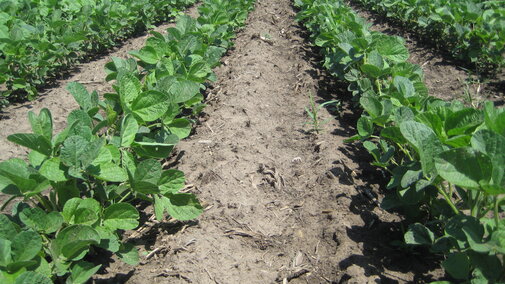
(40, 38)
(471, 30)
(83, 182)
(447, 161)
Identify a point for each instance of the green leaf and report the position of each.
(26, 179)
(82, 271)
(91, 151)
(81, 211)
(183, 90)
(129, 88)
(171, 181)
(128, 254)
(418, 234)
(5, 252)
(461, 121)
(147, 176)
(182, 206)
(147, 54)
(121, 216)
(8, 229)
(424, 141)
(159, 208)
(404, 86)
(72, 241)
(392, 48)
(180, 127)
(53, 170)
(41, 221)
(72, 150)
(457, 265)
(25, 246)
(42, 124)
(108, 239)
(150, 105)
(32, 141)
(371, 105)
(109, 171)
(129, 128)
(81, 96)
(365, 126)
(32, 277)
(464, 167)
(493, 145)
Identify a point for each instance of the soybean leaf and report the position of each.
(457, 265)
(81, 211)
(183, 90)
(365, 126)
(182, 206)
(150, 105)
(129, 88)
(129, 128)
(108, 239)
(146, 176)
(171, 181)
(81, 96)
(82, 271)
(121, 216)
(42, 124)
(392, 48)
(25, 246)
(180, 127)
(32, 277)
(418, 234)
(129, 254)
(147, 54)
(53, 170)
(32, 141)
(72, 241)
(108, 171)
(5, 252)
(424, 141)
(464, 167)
(404, 86)
(72, 150)
(41, 221)
(493, 145)
(8, 229)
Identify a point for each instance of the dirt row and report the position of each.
(282, 204)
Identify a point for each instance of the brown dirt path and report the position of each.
(281, 204)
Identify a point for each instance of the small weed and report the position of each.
(313, 112)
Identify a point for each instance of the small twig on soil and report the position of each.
(210, 128)
(167, 273)
(152, 253)
(293, 275)
(210, 276)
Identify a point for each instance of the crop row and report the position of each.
(446, 160)
(39, 39)
(473, 31)
(80, 186)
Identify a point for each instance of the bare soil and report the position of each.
(282, 203)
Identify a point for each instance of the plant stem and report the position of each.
(125, 196)
(448, 199)
(496, 215)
